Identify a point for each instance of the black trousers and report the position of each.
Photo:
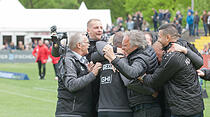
(115, 114)
(55, 66)
(42, 69)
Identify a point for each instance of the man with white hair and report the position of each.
(141, 59)
(74, 82)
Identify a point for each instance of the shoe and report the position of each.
(56, 78)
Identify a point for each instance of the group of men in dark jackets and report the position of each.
(125, 78)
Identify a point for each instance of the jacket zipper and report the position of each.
(74, 103)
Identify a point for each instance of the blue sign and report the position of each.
(13, 75)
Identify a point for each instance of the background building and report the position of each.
(27, 25)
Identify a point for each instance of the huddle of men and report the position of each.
(125, 78)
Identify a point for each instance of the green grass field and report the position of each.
(29, 98)
(34, 97)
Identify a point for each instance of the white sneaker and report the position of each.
(56, 78)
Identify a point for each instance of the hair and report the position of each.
(118, 38)
(169, 29)
(158, 50)
(74, 39)
(89, 23)
(136, 38)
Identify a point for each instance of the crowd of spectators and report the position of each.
(206, 49)
(21, 46)
(163, 16)
(137, 21)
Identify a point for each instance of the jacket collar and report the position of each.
(135, 52)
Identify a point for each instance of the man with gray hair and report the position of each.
(74, 82)
(141, 59)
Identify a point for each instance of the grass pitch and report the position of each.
(28, 98)
(34, 97)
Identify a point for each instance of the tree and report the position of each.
(65, 4)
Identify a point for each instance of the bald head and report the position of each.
(91, 22)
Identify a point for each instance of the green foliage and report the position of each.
(65, 4)
(120, 8)
(116, 6)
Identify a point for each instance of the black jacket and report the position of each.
(196, 19)
(139, 62)
(113, 93)
(92, 47)
(95, 83)
(192, 54)
(74, 87)
(182, 89)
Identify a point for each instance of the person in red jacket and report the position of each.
(55, 61)
(41, 54)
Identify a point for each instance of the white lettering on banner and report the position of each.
(3, 56)
(106, 79)
(24, 56)
(8, 75)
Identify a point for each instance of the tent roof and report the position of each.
(83, 6)
(17, 18)
(11, 5)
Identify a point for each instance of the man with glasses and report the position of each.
(74, 82)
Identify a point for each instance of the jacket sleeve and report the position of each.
(196, 59)
(46, 52)
(71, 81)
(133, 71)
(34, 52)
(169, 66)
(138, 87)
(207, 74)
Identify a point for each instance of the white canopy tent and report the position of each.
(16, 19)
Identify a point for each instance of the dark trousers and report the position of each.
(155, 27)
(115, 114)
(147, 110)
(55, 66)
(209, 28)
(195, 115)
(95, 89)
(41, 72)
(195, 29)
(205, 28)
(190, 29)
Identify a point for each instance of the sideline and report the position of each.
(44, 89)
(27, 96)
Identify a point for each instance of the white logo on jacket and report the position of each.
(187, 61)
(107, 66)
(106, 79)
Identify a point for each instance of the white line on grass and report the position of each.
(43, 89)
(27, 96)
